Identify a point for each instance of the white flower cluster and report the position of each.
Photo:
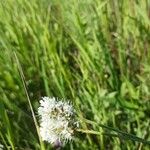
(56, 120)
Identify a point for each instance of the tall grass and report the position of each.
(95, 53)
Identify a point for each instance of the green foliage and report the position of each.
(93, 52)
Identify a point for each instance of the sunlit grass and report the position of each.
(94, 53)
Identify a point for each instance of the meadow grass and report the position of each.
(93, 52)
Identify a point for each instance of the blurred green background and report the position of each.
(95, 53)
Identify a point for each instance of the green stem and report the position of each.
(120, 134)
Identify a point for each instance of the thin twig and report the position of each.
(30, 105)
(121, 134)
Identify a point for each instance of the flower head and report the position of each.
(57, 120)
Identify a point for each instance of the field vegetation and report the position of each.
(95, 53)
